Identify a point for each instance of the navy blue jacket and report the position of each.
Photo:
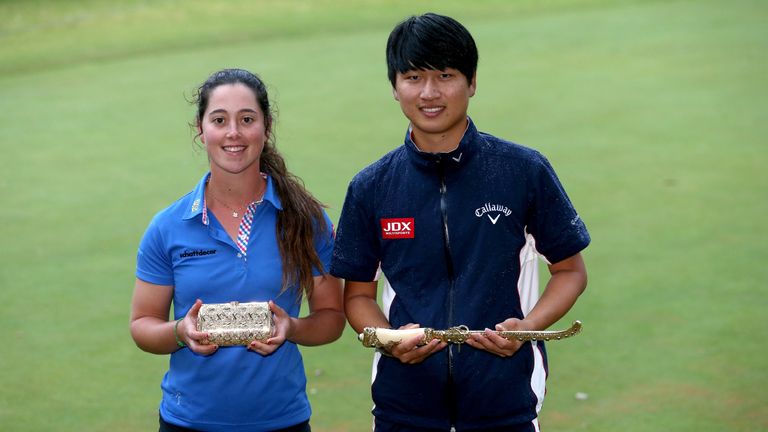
(447, 230)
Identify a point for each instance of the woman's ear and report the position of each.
(267, 128)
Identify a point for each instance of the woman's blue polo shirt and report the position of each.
(233, 389)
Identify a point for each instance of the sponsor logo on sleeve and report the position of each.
(397, 228)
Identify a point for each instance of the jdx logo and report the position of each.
(397, 228)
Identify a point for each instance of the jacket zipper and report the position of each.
(448, 257)
(451, 277)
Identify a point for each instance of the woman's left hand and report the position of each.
(283, 329)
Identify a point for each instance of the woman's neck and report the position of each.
(237, 188)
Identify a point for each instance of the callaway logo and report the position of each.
(397, 228)
(488, 208)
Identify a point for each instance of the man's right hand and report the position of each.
(408, 351)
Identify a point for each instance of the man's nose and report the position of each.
(430, 90)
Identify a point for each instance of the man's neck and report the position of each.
(438, 143)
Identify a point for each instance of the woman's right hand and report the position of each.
(187, 332)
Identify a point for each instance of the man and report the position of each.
(445, 217)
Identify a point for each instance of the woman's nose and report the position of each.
(233, 131)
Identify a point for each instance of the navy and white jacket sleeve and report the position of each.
(554, 223)
(356, 252)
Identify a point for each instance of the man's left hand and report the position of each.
(495, 344)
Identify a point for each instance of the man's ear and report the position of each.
(394, 94)
(473, 85)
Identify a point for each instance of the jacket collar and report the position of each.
(449, 161)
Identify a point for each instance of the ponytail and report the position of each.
(300, 222)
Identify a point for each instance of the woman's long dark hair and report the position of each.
(301, 220)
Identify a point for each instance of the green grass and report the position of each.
(652, 112)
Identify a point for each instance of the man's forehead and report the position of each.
(429, 69)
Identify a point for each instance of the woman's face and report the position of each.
(233, 129)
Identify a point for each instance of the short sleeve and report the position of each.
(356, 252)
(553, 221)
(324, 246)
(153, 263)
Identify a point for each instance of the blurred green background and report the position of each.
(652, 112)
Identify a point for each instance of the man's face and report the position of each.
(435, 101)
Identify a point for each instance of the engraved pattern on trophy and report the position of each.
(234, 323)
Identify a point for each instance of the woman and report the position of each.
(249, 231)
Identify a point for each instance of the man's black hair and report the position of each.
(431, 41)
